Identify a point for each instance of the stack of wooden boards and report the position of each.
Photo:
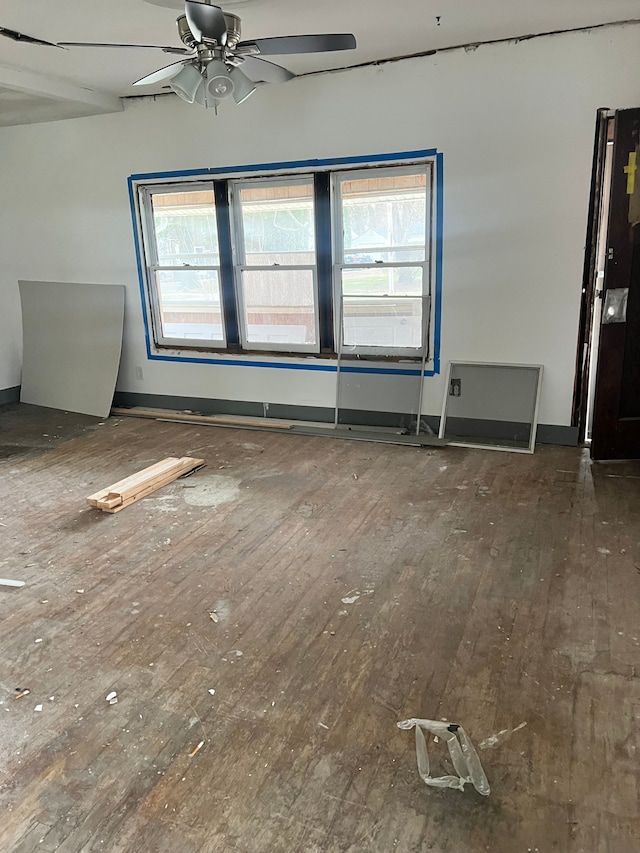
(132, 489)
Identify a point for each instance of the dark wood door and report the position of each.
(616, 417)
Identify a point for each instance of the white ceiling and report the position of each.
(56, 83)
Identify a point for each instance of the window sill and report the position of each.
(169, 351)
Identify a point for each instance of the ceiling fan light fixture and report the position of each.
(205, 100)
(242, 85)
(187, 82)
(219, 82)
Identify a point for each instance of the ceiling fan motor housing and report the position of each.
(233, 31)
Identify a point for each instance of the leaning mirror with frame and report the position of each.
(492, 406)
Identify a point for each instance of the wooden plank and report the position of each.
(215, 420)
(162, 467)
(137, 486)
(186, 463)
(143, 493)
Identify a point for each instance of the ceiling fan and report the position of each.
(217, 65)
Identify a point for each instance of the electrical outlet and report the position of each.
(139, 373)
(455, 388)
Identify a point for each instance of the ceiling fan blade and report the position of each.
(259, 70)
(206, 22)
(179, 51)
(14, 35)
(161, 74)
(303, 44)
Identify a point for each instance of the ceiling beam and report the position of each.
(46, 86)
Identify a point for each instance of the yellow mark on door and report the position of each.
(630, 171)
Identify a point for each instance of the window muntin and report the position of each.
(383, 259)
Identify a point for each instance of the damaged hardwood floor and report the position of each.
(354, 585)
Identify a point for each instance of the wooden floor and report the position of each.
(496, 590)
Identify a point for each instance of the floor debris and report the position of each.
(461, 751)
(9, 582)
(112, 697)
(494, 740)
(197, 749)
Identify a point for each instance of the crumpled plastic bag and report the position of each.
(463, 756)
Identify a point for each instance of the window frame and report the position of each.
(240, 265)
(152, 266)
(423, 352)
(203, 351)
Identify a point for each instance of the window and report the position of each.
(276, 264)
(382, 241)
(184, 265)
(302, 263)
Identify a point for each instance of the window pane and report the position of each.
(384, 213)
(279, 307)
(190, 304)
(278, 224)
(382, 281)
(185, 228)
(382, 322)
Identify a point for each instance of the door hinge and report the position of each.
(599, 294)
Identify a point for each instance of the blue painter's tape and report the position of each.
(237, 362)
(278, 365)
(136, 243)
(287, 164)
(299, 164)
(156, 176)
(439, 238)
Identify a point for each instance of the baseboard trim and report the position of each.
(547, 433)
(10, 395)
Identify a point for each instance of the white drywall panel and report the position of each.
(515, 124)
(72, 336)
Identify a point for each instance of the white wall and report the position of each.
(515, 124)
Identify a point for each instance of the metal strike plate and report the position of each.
(615, 305)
